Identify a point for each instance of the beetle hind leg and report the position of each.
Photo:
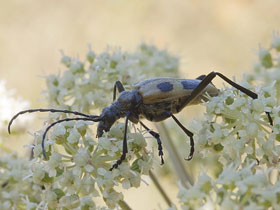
(156, 136)
(189, 133)
(208, 79)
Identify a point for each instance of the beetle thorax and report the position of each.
(128, 101)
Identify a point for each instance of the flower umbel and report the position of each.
(77, 166)
(237, 131)
(233, 189)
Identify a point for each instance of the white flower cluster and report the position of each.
(236, 128)
(17, 187)
(77, 166)
(89, 85)
(233, 189)
(267, 69)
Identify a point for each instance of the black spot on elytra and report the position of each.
(165, 86)
(190, 84)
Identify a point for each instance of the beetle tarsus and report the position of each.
(156, 136)
(191, 150)
(124, 151)
(189, 133)
(269, 118)
(160, 152)
(161, 158)
(119, 161)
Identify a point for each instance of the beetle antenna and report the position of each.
(90, 118)
(45, 110)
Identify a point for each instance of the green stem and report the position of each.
(124, 205)
(160, 189)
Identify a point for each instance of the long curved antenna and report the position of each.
(45, 110)
(96, 119)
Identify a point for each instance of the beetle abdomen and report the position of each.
(170, 89)
(161, 110)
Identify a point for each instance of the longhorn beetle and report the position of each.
(154, 99)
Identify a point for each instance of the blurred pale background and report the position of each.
(209, 35)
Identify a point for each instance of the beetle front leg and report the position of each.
(122, 158)
(156, 136)
(189, 133)
(120, 87)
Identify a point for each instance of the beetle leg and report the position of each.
(201, 77)
(156, 136)
(119, 161)
(120, 87)
(207, 80)
(189, 133)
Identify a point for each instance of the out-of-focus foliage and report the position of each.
(10, 104)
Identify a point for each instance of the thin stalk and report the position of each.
(124, 205)
(160, 189)
(184, 176)
(121, 203)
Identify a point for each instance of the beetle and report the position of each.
(154, 99)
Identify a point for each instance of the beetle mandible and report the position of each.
(154, 99)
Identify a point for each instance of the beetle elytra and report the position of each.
(154, 99)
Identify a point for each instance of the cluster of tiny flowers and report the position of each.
(88, 85)
(267, 69)
(78, 164)
(233, 189)
(17, 187)
(236, 128)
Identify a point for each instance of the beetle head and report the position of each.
(108, 116)
(127, 101)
